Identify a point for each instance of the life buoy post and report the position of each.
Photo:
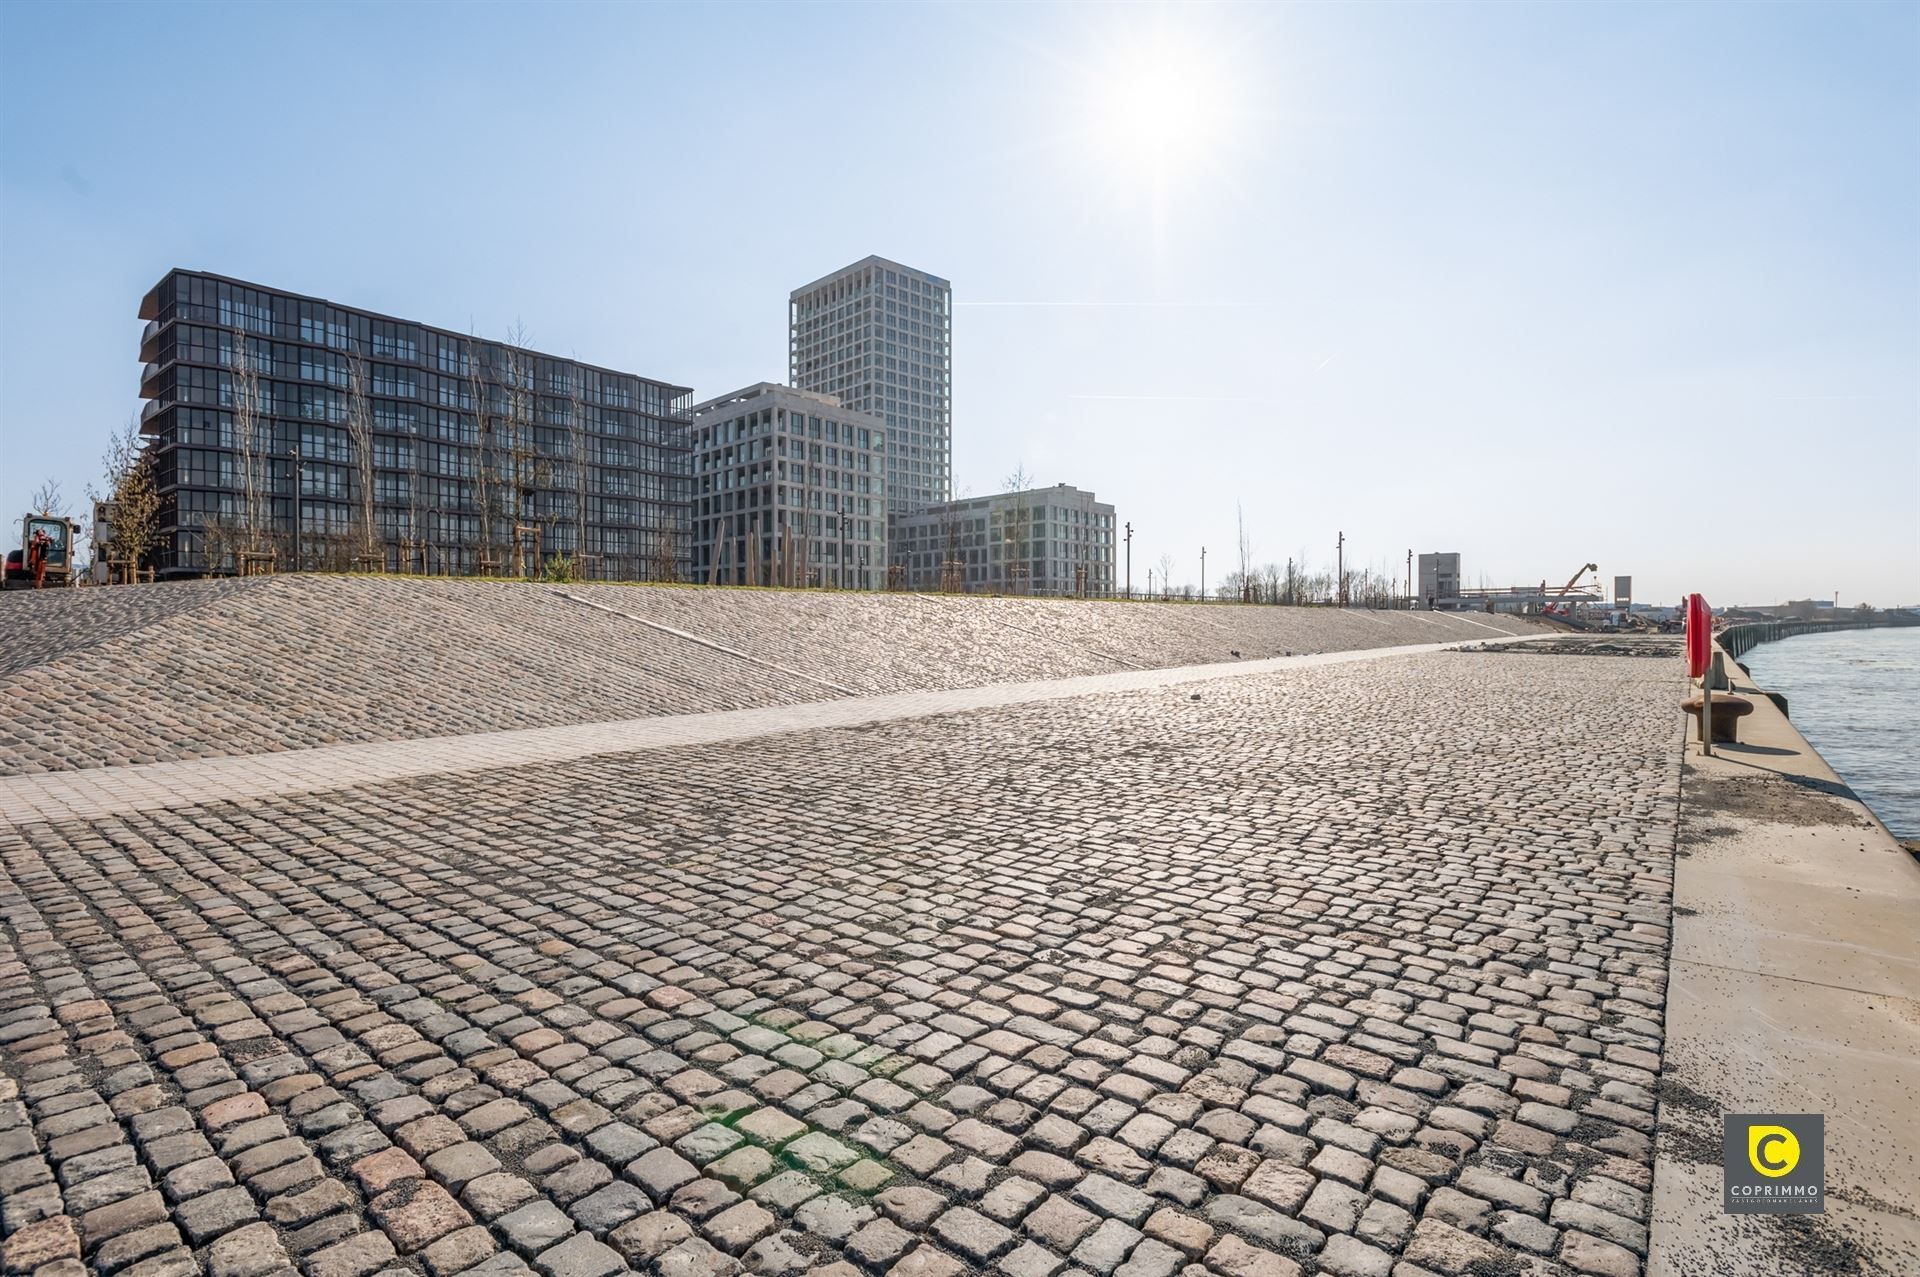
(1699, 661)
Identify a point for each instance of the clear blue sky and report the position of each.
(1526, 282)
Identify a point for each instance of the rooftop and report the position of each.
(150, 309)
(762, 389)
(884, 263)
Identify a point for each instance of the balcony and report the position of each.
(149, 380)
(150, 340)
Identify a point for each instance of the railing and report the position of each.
(1740, 638)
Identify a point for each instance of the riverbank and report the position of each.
(1793, 970)
(1854, 694)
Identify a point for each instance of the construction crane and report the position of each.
(1562, 609)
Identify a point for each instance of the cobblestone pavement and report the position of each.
(100, 791)
(1352, 969)
(117, 677)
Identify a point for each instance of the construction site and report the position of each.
(1583, 601)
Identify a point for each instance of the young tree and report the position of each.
(577, 440)
(510, 468)
(953, 571)
(1166, 576)
(485, 473)
(46, 498)
(133, 497)
(245, 381)
(1246, 584)
(666, 566)
(1015, 545)
(360, 433)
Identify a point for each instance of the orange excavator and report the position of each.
(45, 556)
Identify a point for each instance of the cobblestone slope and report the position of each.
(38, 626)
(1353, 970)
(93, 678)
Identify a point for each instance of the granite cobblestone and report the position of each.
(1117, 984)
(194, 669)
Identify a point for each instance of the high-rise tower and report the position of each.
(879, 336)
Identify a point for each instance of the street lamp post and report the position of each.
(1340, 570)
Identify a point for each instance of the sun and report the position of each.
(1159, 108)
(1159, 104)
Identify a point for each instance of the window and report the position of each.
(391, 341)
(394, 382)
(318, 365)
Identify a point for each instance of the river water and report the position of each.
(1856, 696)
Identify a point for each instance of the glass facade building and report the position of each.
(789, 488)
(879, 336)
(1044, 541)
(331, 438)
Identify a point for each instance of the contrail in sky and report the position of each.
(1127, 305)
(1167, 398)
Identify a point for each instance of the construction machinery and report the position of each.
(1558, 606)
(45, 556)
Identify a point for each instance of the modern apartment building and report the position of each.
(314, 435)
(789, 488)
(1043, 541)
(879, 337)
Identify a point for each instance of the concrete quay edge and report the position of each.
(1794, 975)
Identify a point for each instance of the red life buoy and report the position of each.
(1699, 636)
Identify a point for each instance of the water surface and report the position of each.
(1856, 696)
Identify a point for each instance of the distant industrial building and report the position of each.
(1043, 541)
(1439, 578)
(789, 488)
(292, 432)
(879, 336)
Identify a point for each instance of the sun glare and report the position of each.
(1159, 109)
(1160, 106)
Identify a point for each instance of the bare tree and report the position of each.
(245, 379)
(416, 531)
(46, 498)
(577, 440)
(485, 484)
(1014, 540)
(510, 468)
(953, 569)
(360, 433)
(523, 469)
(666, 565)
(1166, 575)
(1246, 583)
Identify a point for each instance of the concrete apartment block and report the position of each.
(789, 488)
(1044, 541)
(879, 336)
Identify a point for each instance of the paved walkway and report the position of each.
(1355, 971)
(95, 792)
